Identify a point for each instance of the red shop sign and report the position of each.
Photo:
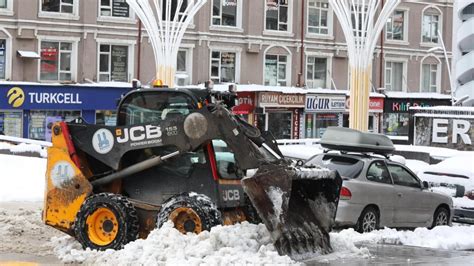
(246, 103)
(375, 104)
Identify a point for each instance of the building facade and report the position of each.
(291, 44)
(463, 51)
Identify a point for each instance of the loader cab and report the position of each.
(154, 105)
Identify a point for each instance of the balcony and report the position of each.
(461, 10)
(466, 89)
(465, 35)
(465, 68)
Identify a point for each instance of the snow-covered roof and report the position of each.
(94, 84)
(418, 95)
(445, 108)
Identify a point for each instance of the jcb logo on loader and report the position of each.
(231, 194)
(138, 133)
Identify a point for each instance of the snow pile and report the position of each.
(24, 147)
(441, 237)
(22, 178)
(415, 165)
(224, 245)
(463, 202)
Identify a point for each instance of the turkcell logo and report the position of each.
(103, 141)
(16, 97)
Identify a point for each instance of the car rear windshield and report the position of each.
(346, 166)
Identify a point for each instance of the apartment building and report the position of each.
(463, 51)
(267, 42)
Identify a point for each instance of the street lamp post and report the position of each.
(450, 77)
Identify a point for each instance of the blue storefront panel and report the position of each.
(41, 105)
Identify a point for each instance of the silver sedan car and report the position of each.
(378, 192)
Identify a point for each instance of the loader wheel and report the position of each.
(190, 212)
(106, 221)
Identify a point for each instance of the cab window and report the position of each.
(153, 107)
(402, 177)
(225, 160)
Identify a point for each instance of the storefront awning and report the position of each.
(28, 54)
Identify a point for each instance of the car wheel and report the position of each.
(441, 217)
(368, 220)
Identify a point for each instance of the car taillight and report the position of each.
(345, 194)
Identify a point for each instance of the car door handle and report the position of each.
(399, 194)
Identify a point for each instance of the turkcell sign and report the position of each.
(59, 97)
(54, 98)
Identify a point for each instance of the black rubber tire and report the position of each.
(368, 214)
(206, 209)
(440, 213)
(124, 211)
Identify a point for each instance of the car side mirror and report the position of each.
(426, 185)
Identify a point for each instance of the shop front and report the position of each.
(376, 106)
(279, 113)
(396, 114)
(29, 110)
(321, 112)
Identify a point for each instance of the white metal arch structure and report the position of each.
(361, 28)
(166, 28)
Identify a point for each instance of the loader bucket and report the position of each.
(298, 206)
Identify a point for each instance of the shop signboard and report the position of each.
(375, 104)
(41, 97)
(119, 63)
(246, 103)
(455, 132)
(296, 124)
(276, 99)
(402, 105)
(324, 103)
(120, 8)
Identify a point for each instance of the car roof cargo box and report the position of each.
(346, 139)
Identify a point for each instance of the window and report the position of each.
(395, 26)
(395, 124)
(346, 166)
(183, 68)
(316, 72)
(152, 107)
(11, 123)
(40, 122)
(402, 177)
(394, 76)
(277, 18)
(3, 3)
(223, 66)
(114, 8)
(60, 6)
(275, 70)
(378, 172)
(280, 124)
(318, 17)
(225, 160)
(106, 118)
(3, 62)
(6, 7)
(113, 63)
(431, 26)
(56, 61)
(174, 6)
(429, 77)
(224, 13)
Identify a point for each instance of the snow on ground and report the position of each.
(22, 178)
